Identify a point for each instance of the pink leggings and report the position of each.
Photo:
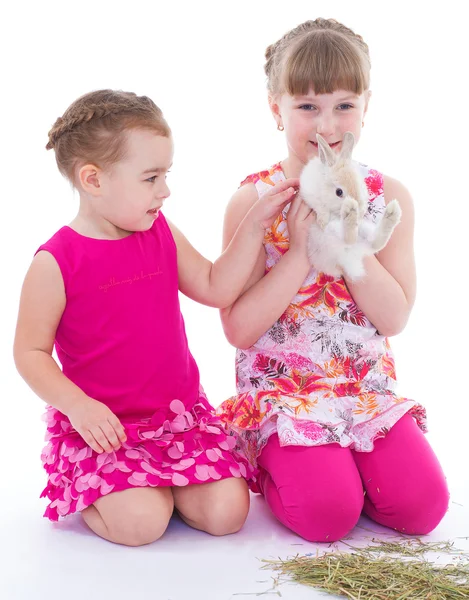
(318, 492)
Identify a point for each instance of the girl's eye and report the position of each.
(345, 106)
(307, 107)
(154, 177)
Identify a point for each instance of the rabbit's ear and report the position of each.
(348, 143)
(326, 154)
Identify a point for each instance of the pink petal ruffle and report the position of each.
(175, 447)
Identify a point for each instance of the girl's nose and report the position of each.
(325, 126)
(164, 192)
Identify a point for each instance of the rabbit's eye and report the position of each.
(339, 192)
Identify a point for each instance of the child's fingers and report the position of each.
(279, 198)
(291, 182)
(110, 435)
(286, 187)
(295, 206)
(285, 184)
(285, 197)
(92, 443)
(117, 426)
(101, 439)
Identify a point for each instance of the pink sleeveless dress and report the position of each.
(322, 373)
(122, 340)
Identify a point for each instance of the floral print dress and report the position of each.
(322, 373)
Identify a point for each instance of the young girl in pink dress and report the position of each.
(316, 410)
(131, 435)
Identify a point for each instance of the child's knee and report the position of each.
(138, 528)
(321, 523)
(416, 511)
(322, 516)
(227, 512)
(135, 517)
(423, 514)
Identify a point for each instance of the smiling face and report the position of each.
(318, 80)
(133, 190)
(330, 115)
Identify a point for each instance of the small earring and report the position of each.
(280, 127)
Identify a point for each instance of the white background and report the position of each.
(202, 63)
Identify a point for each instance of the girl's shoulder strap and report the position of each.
(264, 179)
(60, 246)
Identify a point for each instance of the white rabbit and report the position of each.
(333, 187)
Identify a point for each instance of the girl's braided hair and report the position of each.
(93, 128)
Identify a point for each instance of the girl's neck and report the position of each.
(292, 167)
(95, 227)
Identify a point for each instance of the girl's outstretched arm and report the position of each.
(266, 296)
(218, 284)
(41, 307)
(386, 293)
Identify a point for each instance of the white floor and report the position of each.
(65, 561)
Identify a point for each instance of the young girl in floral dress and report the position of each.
(316, 410)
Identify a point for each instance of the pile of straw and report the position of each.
(383, 571)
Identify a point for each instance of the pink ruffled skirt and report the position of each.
(175, 447)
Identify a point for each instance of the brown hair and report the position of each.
(322, 54)
(93, 128)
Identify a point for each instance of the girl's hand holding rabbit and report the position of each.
(299, 219)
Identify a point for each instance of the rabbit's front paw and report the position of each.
(322, 218)
(349, 209)
(393, 213)
(349, 215)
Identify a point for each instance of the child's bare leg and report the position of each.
(133, 517)
(219, 507)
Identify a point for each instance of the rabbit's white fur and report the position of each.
(341, 237)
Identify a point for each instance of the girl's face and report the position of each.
(134, 189)
(330, 115)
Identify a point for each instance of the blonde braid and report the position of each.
(105, 103)
(82, 114)
(93, 127)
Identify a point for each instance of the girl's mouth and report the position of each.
(332, 145)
